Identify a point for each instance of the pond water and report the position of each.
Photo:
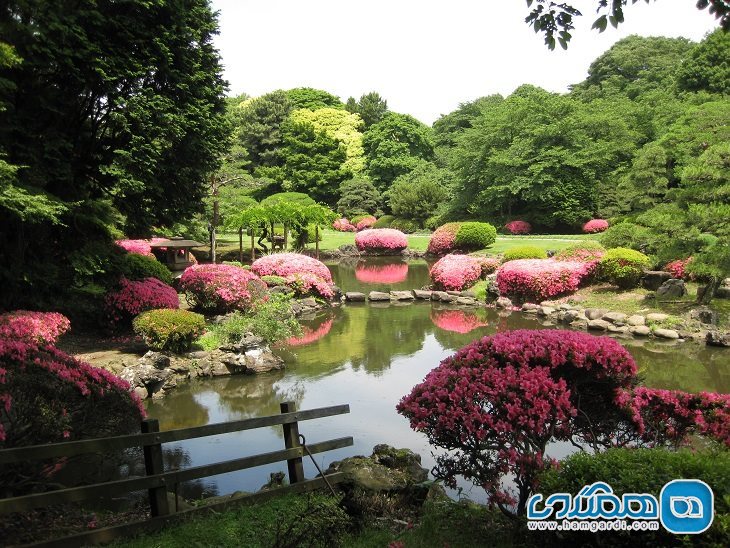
(369, 356)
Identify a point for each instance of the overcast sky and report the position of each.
(423, 56)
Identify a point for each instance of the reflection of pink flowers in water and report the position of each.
(310, 335)
(457, 321)
(381, 273)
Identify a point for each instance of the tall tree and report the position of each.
(259, 129)
(706, 67)
(312, 99)
(371, 107)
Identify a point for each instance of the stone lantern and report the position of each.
(177, 252)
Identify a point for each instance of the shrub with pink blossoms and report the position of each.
(284, 264)
(132, 297)
(306, 283)
(343, 225)
(221, 288)
(518, 227)
(455, 272)
(33, 327)
(366, 222)
(381, 239)
(140, 247)
(678, 268)
(443, 239)
(595, 226)
(488, 264)
(539, 279)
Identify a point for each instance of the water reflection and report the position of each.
(458, 320)
(384, 274)
(379, 274)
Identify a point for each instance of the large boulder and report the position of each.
(704, 315)
(671, 289)
(715, 338)
(653, 279)
(378, 296)
(723, 292)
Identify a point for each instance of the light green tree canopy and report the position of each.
(341, 126)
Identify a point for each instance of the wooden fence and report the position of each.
(158, 482)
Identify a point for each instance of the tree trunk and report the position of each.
(706, 293)
(286, 232)
(214, 224)
(240, 244)
(316, 240)
(253, 244)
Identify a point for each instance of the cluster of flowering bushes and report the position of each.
(132, 297)
(140, 247)
(540, 279)
(678, 268)
(220, 287)
(466, 236)
(457, 321)
(381, 273)
(343, 225)
(302, 273)
(595, 226)
(456, 272)
(366, 222)
(518, 227)
(33, 327)
(381, 239)
(310, 335)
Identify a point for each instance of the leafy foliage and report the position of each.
(138, 267)
(272, 320)
(312, 99)
(623, 267)
(358, 196)
(455, 272)
(132, 297)
(417, 194)
(33, 327)
(381, 239)
(173, 330)
(371, 107)
(524, 252)
(473, 236)
(535, 280)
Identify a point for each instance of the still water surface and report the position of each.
(370, 355)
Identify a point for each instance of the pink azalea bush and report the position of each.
(488, 264)
(678, 268)
(381, 239)
(588, 252)
(457, 321)
(443, 239)
(310, 335)
(306, 283)
(33, 327)
(132, 297)
(381, 273)
(540, 279)
(221, 288)
(518, 227)
(366, 222)
(284, 264)
(140, 247)
(455, 272)
(343, 225)
(595, 225)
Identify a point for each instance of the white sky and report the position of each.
(423, 56)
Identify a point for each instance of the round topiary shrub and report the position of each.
(384, 221)
(221, 288)
(47, 396)
(33, 327)
(518, 227)
(524, 252)
(472, 236)
(166, 329)
(381, 239)
(132, 297)
(623, 267)
(455, 272)
(366, 222)
(443, 239)
(305, 275)
(539, 279)
(595, 226)
(343, 225)
(407, 226)
(138, 267)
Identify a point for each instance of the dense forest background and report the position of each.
(114, 122)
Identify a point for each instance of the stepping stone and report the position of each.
(355, 297)
(503, 302)
(594, 313)
(422, 294)
(545, 311)
(598, 325)
(636, 319)
(465, 301)
(640, 330)
(402, 295)
(378, 296)
(666, 333)
(614, 317)
(529, 307)
(656, 317)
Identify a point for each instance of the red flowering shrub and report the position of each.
(132, 297)
(366, 222)
(594, 226)
(48, 396)
(140, 247)
(283, 264)
(457, 321)
(443, 238)
(220, 288)
(497, 402)
(310, 335)
(455, 272)
(381, 239)
(678, 268)
(33, 327)
(381, 273)
(343, 225)
(539, 279)
(518, 227)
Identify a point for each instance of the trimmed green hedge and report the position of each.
(623, 267)
(165, 329)
(138, 267)
(524, 252)
(407, 226)
(384, 221)
(472, 236)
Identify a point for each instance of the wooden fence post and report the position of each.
(153, 465)
(291, 439)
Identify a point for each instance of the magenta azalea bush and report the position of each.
(381, 239)
(678, 268)
(443, 239)
(140, 247)
(284, 264)
(455, 272)
(595, 225)
(221, 288)
(518, 227)
(33, 327)
(306, 283)
(343, 225)
(496, 404)
(132, 297)
(540, 279)
(366, 222)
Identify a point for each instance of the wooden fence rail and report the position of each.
(158, 482)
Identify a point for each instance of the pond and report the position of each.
(369, 356)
